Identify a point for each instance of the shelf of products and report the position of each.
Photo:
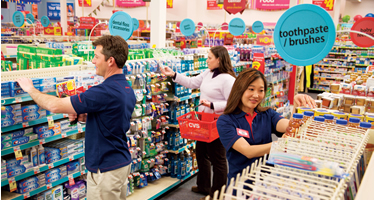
(335, 65)
(157, 188)
(43, 168)
(42, 141)
(182, 148)
(179, 99)
(32, 123)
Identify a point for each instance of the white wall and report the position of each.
(197, 11)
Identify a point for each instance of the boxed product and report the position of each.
(57, 193)
(34, 116)
(13, 162)
(370, 92)
(27, 189)
(43, 131)
(359, 90)
(47, 88)
(15, 134)
(55, 174)
(72, 167)
(6, 144)
(15, 85)
(13, 115)
(24, 139)
(10, 122)
(10, 108)
(45, 80)
(39, 179)
(19, 91)
(30, 109)
(346, 88)
(20, 169)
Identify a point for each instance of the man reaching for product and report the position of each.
(108, 107)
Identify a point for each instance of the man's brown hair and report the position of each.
(113, 46)
(243, 80)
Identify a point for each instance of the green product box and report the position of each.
(48, 54)
(44, 64)
(57, 64)
(22, 63)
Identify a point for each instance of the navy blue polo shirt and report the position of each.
(260, 126)
(109, 107)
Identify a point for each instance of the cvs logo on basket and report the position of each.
(194, 125)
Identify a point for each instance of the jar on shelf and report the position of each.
(360, 117)
(340, 115)
(321, 112)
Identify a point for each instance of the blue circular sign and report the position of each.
(257, 27)
(121, 24)
(236, 26)
(18, 18)
(30, 18)
(187, 27)
(304, 34)
(45, 21)
(135, 24)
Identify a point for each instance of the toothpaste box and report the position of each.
(47, 88)
(40, 179)
(64, 123)
(55, 174)
(10, 122)
(5, 93)
(5, 84)
(4, 176)
(10, 163)
(6, 144)
(10, 108)
(53, 159)
(30, 109)
(33, 116)
(27, 189)
(72, 167)
(43, 131)
(14, 134)
(14, 171)
(57, 193)
(11, 115)
(39, 196)
(45, 80)
(15, 85)
(24, 139)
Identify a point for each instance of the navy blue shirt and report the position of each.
(109, 107)
(260, 126)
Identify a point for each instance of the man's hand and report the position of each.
(304, 100)
(81, 117)
(26, 84)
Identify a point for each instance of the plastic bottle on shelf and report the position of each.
(353, 122)
(242, 53)
(194, 160)
(329, 119)
(175, 166)
(41, 156)
(34, 156)
(307, 115)
(365, 125)
(294, 125)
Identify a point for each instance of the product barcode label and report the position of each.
(49, 186)
(51, 123)
(71, 158)
(26, 195)
(65, 115)
(79, 126)
(63, 135)
(25, 124)
(71, 180)
(50, 166)
(12, 184)
(36, 170)
(18, 99)
(42, 141)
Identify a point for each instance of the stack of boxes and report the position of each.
(16, 167)
(32, 112)
(11, 115)
(30, 57)
(61, 149)
(13, 89)
(16, 138)
(31, 183)
(55, 174)
(44, 131)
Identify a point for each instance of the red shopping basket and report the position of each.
(201, 129)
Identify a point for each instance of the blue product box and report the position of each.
(27, 189)
(10, 109)
(47, 88)
(72, 167)
(40, 180)
(33, 116)
(10, 163)
(19, 91)
(30, 109)
(10, 122)
(15, 134)
(5, 92)
(52, 152)
(5, 84)
(45, 134)
(45, 80)
(23, 140)
(6, 144)
(55, 174)
(53, 159)
(14, 171)
(11, 115)
(14, 85)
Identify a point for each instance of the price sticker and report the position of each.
(63, 135)
(82, 172)
(50, 166)
(36, 170)
(18, 153)
(51, 123)
(49, 186)
(42, 141)
(193, 145)
(65, 115)
(18, 99)
(79, 126)
(12, 184)
(71, 158)
(187, 150)
(25, 124)
(329, 4)
(26, 195)
(71, 180)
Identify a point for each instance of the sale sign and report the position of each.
(258, 62)
(130, 3)
(235, 6)
(325, 4)
(34, 11)
(169, 3)
(264, 39)
(86, 3)
(49, 31)
(212, 5)
(366, 26)
(271, 4)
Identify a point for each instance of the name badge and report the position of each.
(243, 133)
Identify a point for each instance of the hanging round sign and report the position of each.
(18, 18)
(187, 27)
(304, 34)
(257, 27)
(121, 24)
(236, 26)
(45, 21)
(364, 25)
(135, 24)
(30, 18)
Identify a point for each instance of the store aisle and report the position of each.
(183, 192)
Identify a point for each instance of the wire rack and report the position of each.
(327, 142)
